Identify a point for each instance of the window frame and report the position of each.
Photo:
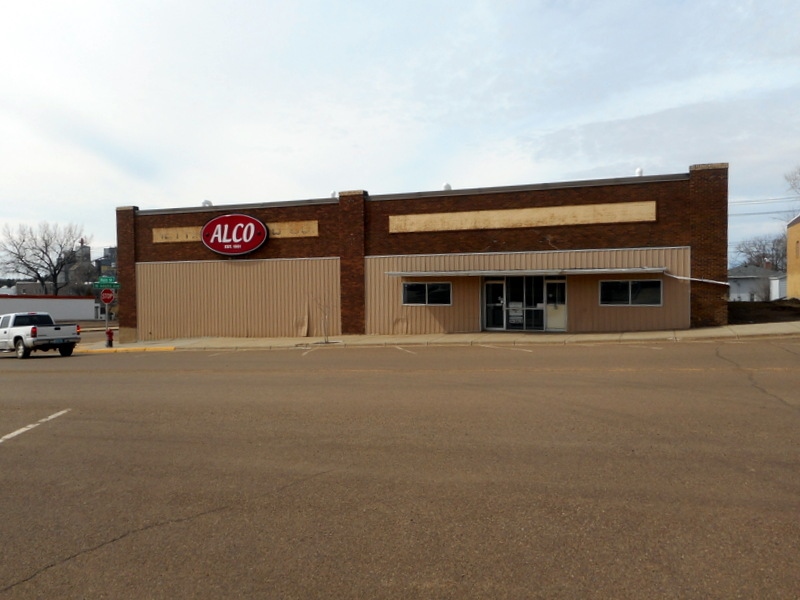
(630, 301)
(427, 293)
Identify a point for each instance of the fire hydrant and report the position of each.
(109, 338)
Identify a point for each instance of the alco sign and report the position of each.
(234, 234)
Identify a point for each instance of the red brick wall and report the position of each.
(351, 262)
(672, 227)
(691, 211)
(327, 244)
(708, 215)
(126, 272)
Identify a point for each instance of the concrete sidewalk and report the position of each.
(729, 332)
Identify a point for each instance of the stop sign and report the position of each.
(107, 296)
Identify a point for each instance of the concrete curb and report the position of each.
(126, 349)
(503, 339)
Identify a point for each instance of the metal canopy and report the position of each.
(505, 273)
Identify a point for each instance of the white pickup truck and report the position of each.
(24, 333)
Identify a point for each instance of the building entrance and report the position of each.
(556, 311)
(518, 304)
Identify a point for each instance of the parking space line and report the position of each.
(505, 348)
(31, 426)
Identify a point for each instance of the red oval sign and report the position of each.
(234, 234)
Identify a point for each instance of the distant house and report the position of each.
(33, 288)
(793, 258)
(755, 284)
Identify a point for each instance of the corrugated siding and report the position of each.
(233, 298)
(676, 260)
(387, 315)
(586, 314)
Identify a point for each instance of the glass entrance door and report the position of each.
(514, 303)
(495, 304)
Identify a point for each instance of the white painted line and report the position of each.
(504, 348)
(55, 416)
(404, 350)
(17, 432)
(29, 427)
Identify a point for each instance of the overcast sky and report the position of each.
(166, 103)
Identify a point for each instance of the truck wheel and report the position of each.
(22, 351)
(66, 350)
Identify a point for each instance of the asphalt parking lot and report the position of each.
(601, 471)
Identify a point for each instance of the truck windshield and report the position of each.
(24, 320)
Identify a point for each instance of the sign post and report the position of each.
(108, 285)
(107, 296)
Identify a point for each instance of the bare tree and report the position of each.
(764, 251)
(770, 250)
(41, 253)
(793, 179)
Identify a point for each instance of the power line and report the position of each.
(764, 201)
(753, 214)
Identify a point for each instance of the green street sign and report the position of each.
(101, 285)
(106, 279)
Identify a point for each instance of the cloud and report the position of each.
(161, 104)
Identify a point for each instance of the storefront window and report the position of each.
(439, 293)
(414, 293)
(427, 294)
(630, 293)
(646, 292)
(614, 292)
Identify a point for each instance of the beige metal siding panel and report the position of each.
(385, 313)
(675, 260)
(279, 298)
(384, 299)
(587, 315)
(540, 216)
(461, 316)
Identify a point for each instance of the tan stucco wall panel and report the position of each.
(547, 216)
(288, 229)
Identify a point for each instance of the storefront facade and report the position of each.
(640, 253)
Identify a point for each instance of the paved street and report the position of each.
(639, 470)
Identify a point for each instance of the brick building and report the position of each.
(636, 253)
(793, 258)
